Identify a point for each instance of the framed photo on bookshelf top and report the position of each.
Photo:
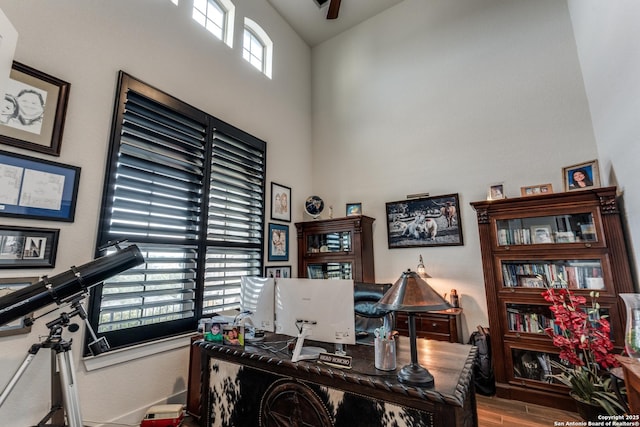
(424, 221)
(581, 176)
(280, 197)
(354, 209)
(534, 190)
(37, 188)
(34, 110)
(28, 247)
(278, 242)
(496, 191)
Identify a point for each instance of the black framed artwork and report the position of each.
(36, 188)
(28, 247)
(424, 221)
(280, 202)
(34, 110)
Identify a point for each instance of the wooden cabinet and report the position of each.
(443, 325)
(339, 248)
(572, 240)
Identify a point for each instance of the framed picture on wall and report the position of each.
(7, 286)
(280, 271)
(34, 110)
(280, 198)
(278, 242)
(424, 221)
(36, 188)
(27, 247)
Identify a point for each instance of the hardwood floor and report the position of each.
(493, 411)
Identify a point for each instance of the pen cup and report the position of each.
(385, 354)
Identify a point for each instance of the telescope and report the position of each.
(58, 289)
(70, 288)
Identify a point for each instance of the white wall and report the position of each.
(86, 42)
(608, 40)
(447, 97)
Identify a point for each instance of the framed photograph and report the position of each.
(280, 197)
(581, 176)
(233, 334)
(541, 234)
(496, 192)
(6, 287)
(278, 242)
(37, 188)
(565, 237)
(283, 271)
(25, 247)
(530, 281)
(354, 209)
(534, 190)
(424, 221)
(34, 110)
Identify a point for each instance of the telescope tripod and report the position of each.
(64, 390)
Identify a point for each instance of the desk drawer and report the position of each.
(436, 326)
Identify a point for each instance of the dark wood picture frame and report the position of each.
(37, 188)
(8, 285)
(39, 131)
(28, 247)
(424, 221)
(280, 202)
(278, 242)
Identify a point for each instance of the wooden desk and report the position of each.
(631, 369)
(254, 386)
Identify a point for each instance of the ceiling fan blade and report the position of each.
(334, 7)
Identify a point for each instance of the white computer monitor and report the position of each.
(257, 297)
(318, 309)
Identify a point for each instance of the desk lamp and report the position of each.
(412, 294)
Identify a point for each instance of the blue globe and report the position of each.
(314, 206)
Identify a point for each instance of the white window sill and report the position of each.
(115, 357)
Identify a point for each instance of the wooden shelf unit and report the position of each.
(339, 248)
(572, 239)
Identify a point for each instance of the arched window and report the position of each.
(257, 47)
(217, 17)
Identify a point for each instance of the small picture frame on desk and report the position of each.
(233, 335)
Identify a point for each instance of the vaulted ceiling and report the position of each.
(309, 17)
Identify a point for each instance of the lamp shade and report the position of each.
(412, 294)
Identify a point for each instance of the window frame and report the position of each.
(214, 128)
(265, 41)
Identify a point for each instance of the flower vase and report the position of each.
(632, 329)
(588, 411)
